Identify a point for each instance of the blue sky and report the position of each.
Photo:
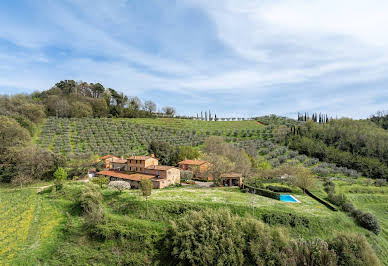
(236, 58)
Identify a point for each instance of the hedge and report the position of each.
(328, 205)
(263, 192)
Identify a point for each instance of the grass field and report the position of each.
(29, 228)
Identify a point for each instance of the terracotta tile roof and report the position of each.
(108, 156)
(134, 177)
(192, 162)
(159, 167)
(231, 175)
(140, 157)
(118, 160)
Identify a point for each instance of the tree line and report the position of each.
(69, 98)
(356, 144)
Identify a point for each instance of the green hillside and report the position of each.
(44, 238)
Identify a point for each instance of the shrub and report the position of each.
(380, 182)
(119, 185)
(337, 199)
(348, 207)
(310, 252)
(353, 249)
(90, 202)
(329, 187)
(190, 242)
(287, 219)
(60, 176)
(369, 221)
(215, 237)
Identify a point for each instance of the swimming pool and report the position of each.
(288, 198)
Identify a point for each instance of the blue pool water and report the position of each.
(288, 198)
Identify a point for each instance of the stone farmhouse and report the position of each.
(136, 168)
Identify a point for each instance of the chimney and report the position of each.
(153, 155)
(121, 157)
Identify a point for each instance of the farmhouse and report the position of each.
(136, 168)
(198, 167)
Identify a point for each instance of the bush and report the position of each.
(310, 252)
(329, 187)
(353, 249)
(348, 207)
(278, 188)
(380, 182)
(287, 219)
(369, 221)
(337, 199)
(212, 237)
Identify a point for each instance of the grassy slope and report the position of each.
(375, 203)
(30, 226)
(39, 219)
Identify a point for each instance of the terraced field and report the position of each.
(29, 226)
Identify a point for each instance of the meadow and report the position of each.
(30, 226)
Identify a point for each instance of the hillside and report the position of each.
(40, 239)
(132, 136)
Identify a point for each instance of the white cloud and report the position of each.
(272, 48)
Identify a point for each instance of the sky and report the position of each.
(237, 58)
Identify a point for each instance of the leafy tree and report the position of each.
(79, 109)
(101, 180)
(149, 106)
(304, 179)
(168, 110)
(11, 134)
(187, 152)
(21, 179)
(97, 90)
(60, 176)
(166, 153)
(146, 189)
(219, 165)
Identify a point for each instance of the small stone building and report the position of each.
(231, 179)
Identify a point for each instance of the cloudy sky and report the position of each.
(236, 58)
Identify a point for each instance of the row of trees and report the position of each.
(315, 117)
